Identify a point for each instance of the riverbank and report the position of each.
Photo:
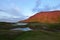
(28, 35)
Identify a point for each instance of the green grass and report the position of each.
(6, 34)
(37, 35)
(30, 35)
(9, 35)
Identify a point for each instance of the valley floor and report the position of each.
(39, 35)
(29, 35)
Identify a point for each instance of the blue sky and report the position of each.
(14, 10)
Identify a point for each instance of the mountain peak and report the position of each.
(45, 17)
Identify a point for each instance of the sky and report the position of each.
(15, 10)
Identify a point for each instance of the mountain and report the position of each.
(45, 17)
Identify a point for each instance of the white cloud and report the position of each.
(46, 5)
(11, 15)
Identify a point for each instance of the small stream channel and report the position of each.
(22, 29)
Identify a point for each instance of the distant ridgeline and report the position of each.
(9, 25)
(45, 17)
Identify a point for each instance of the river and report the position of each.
(22, 29)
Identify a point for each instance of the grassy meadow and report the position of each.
(39, 35)
(39, 32)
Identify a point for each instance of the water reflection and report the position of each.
(22, 29)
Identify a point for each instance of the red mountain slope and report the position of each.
(45, 17)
